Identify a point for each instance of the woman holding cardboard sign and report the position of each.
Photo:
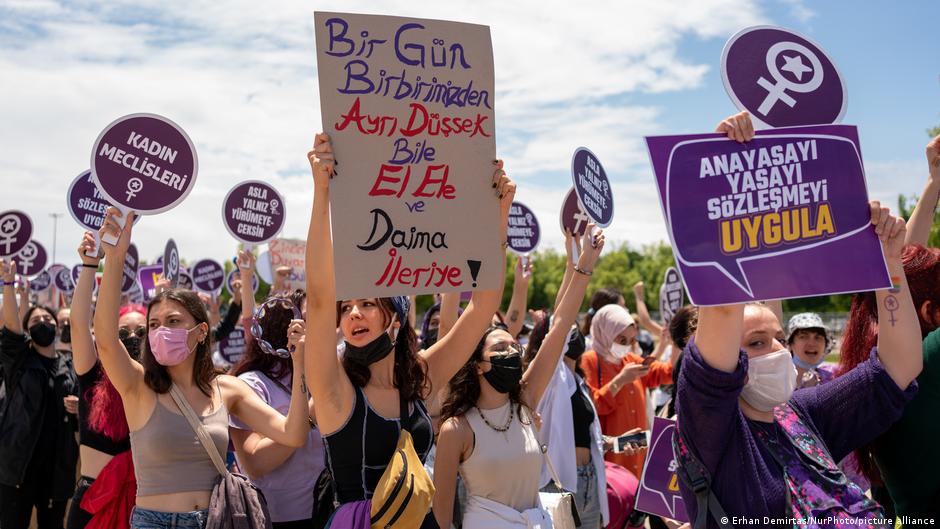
(174, 380)
(369, 404)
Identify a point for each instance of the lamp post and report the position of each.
(55, 224)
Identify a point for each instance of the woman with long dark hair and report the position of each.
(359, 399)
(487, 433)
(175, 474)
(285, 474)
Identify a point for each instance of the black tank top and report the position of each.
(86, 435)
(582, 414)
(359, 451)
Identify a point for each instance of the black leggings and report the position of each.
(17, 503)
(78, 518)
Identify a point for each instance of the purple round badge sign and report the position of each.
(186, 280)
(86, 203)
(171, 263)
(782, 78)
(592, 187)
(16, 228)
(233, 275)
(523, 232)
(31, 259)
(62, 279)
(253, 212)
(41, 282)
(232, 347)
(131, 263)
(573, 218)
(145, 163)
(208, 276)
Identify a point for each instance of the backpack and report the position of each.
(621, 494)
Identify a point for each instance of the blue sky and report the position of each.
(240, 77)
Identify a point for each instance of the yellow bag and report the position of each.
(403, 495)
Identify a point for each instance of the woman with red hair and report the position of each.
(904, 459)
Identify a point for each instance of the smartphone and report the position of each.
(638, 439)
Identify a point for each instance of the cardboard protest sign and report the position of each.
(659, 485)
(782, 78)
(572, 217)
(41, 282)
(31, 259)
(671, 294)
(62, 279)
(145, 163)
(171, 263)
(745, 219)
(592, 187)
(409, 106)
(232, 347)
(292, 253)
(523, 230)
(147, 276)
(233, 275)
(208, 276)
(253, 212)
(131, 263)
(16, 228)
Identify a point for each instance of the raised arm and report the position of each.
(639, 296)
(515, 314)
(451, 352)
(899, 340)
(540, 370)
(246, 272)
(450, 307)
(918, 227)
(11, 313)
(126, 374)
(22, 290)
(569, 267)
(84, 355)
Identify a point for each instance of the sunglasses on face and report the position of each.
(257, 330)
(507, 349)
(125, 333)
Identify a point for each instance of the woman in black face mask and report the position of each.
(38, 452)
(487, 432)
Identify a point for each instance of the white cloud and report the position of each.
(240, 77)
(799, 10)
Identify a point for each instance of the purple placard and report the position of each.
(16, 228)
(671, 294)
(742, 216)
(86, 203)
(523, 231)
(208, 276)
(572, 217)
(782, 78)
(76, 273)
(592, 187)
(659, 485)
(145, 163)
(186, 280)
(131, 263)
(31, 259)
(232, 347)
(41, 282)
(135, 294)
(62, 279)
(171, 263)
(233, 275)
(253, 212)
(147, 277)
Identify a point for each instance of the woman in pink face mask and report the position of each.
(175, 475)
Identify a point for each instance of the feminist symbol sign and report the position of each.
(31, 259)
(592, 187)
(41, 282)
(15, 230)
(523, 231)
(62, 279)
(782, 78)
(573, 218)
(253, 212)
(171, 263)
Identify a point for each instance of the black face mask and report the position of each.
(576, 345)
(372, 352)
(66, 335)
(430, 338)
(42, 333)
(132, 344)
(505, 372)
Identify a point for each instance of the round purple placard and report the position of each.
(208, 276)
(41, 282)
(16, 228)
(782, 78)
(592, 187)
(145, 163)
(86, 203)
(253, 212)
(233, 275)
(62, 279)
(131, 263)
(171, 263)
(186, 280)
(572, 217)
(523, 231)
(31, 259)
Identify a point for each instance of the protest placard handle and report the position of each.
(121, 221)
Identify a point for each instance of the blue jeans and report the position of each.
(147, 519)
(587, 499)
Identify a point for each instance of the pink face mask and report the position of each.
(169, 346)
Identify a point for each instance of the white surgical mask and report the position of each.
(771, 379)
(619, 350)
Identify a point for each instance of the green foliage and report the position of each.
(934, 132)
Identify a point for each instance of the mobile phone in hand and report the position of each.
(623, 441)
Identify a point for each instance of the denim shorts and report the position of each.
(587, 498)
(147, 519)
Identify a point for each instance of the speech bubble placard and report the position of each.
(592, 186)
(208, 276)
(31, 259)
(147, 279)
(171, 263)
(745, 218)
(658, 492)
(572, 217)
(145, 163)
(782, 78)
(253, 212)
(16, 229)
(523, 231)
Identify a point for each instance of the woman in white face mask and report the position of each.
(770, 452)
(619, 377)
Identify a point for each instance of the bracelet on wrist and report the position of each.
(583, 272)
(95, 266)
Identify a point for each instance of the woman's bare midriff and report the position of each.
(93, 461)
(582, 455)
(176, 501)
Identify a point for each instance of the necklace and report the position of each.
(498, 429)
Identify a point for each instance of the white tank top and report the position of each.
(504, 466)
